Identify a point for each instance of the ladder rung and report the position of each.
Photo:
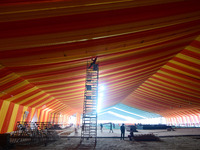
(89, 117)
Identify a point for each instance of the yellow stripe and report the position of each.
(166, 96)
(13, 118)
(179, 89)
(193, 49)
(55, 39)
(43, 103)
(8, 78)
(188, 58)
(42, 116)
(32, 112)
(185, 66)
(156, 95)
(61, 7)
(180, 71)
(21, 94)
(77, 55)
(3, 112)
(53, 103)
(31, 97)
(51, 9)
(1, 66)
(38, 114)
(177, 82)
(46, 119)
(61, 83)
(24, 109)
(15, 87)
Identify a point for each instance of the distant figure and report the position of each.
(122, 128)
(76, 131)
(82, 127)
(111, 130)
(131, 133)
(101, 127)
(113, 126)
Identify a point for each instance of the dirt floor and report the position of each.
(169, 140)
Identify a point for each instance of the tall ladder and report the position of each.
(89, 118)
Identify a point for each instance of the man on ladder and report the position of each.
(93, 64)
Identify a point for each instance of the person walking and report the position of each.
(122, 128)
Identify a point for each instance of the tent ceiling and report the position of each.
(123, 110)
(148, 53)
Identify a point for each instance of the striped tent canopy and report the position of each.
(148, 53)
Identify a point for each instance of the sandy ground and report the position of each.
(160, 133)
(170, 140)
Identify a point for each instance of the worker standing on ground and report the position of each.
(122, 128)
(101, 127)
(111, 130)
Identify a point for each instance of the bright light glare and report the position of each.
(102, 88)
(100, 97)
(99, 104)
(129, 112)
(122, 116)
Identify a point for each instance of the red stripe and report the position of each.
(6, 122)
(173, 93)
(174, 83)
(143, 63)
(146, 97)
(169, 93)
(44, 114)
(63, 85)
(17, 91)
(196, 44)
(11, 83)
(50, 103)
(187, 70)
(135, 71)
(28, 119)
(19, 115)
(154, 95)
(39, 102)
(79, 45)
(33, 99)
(66, 91)
(181, 76)
(95, 19)
(4, 72)
(28, 68)
(189, 63)
(1, 103)
(190, 53)
(175, 86)
(27, 96)
(60, 86)
(60, 80)
(20, 2)
(48, 120)
(57, 72)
